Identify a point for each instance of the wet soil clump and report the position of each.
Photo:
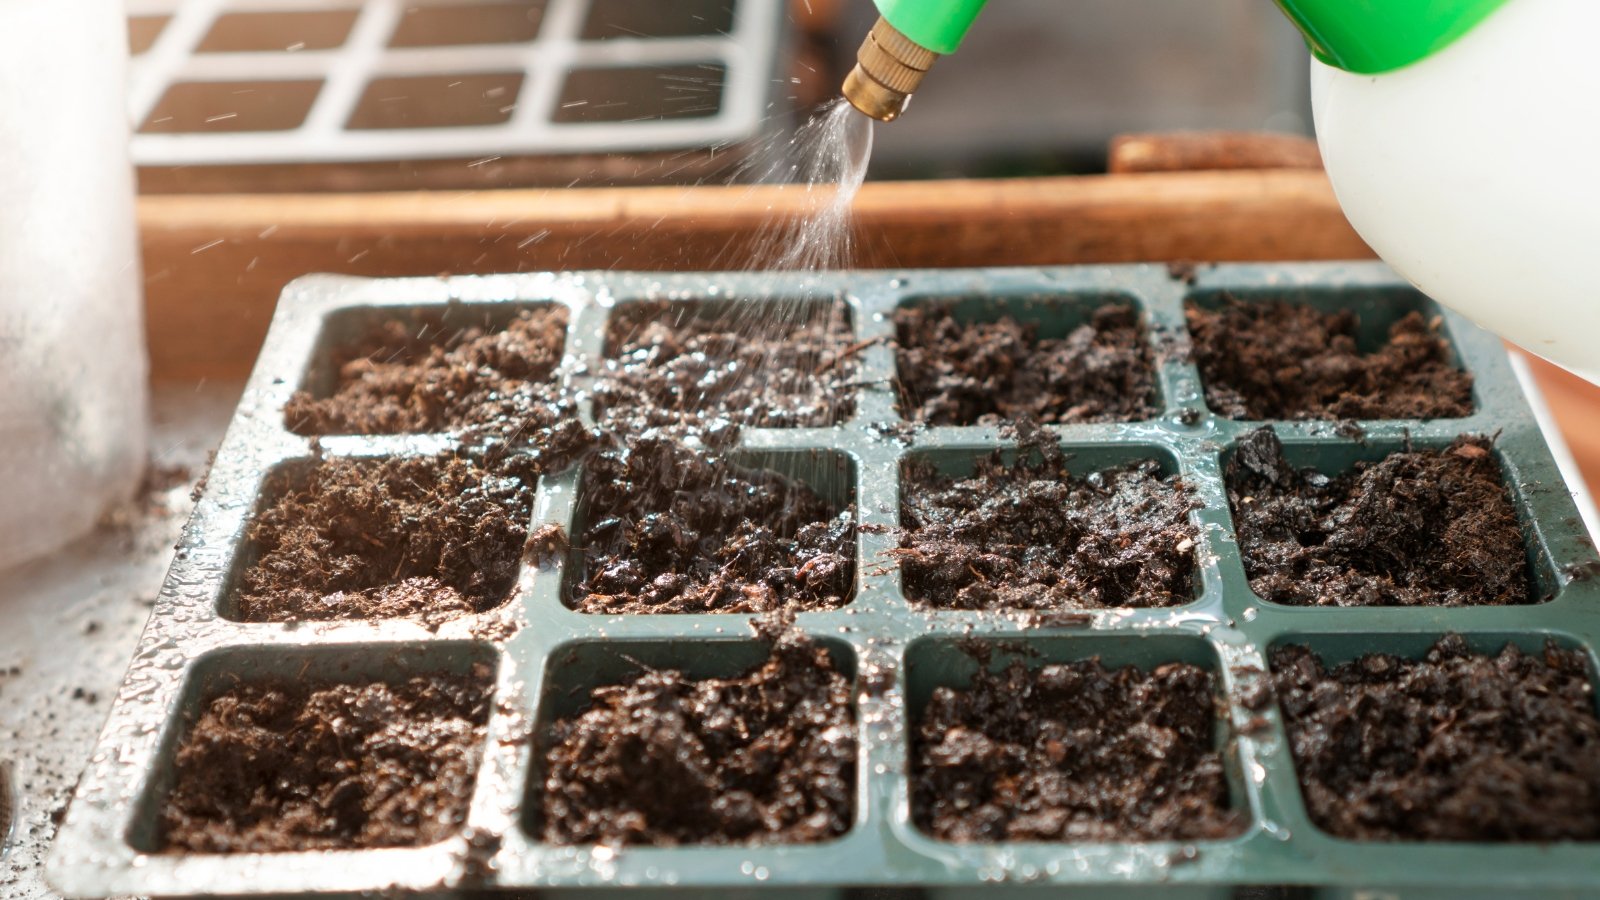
(1071, 752)
(1455, 747)
(1417, 528)
(1031, 535)
(765, 757)
(775, 366)
(951, 372)
(1278, 360)
(280, 766)
(407, 378)
(432, 537)
(675, 530)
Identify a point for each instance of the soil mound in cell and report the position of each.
(761, 758)
(1456, 746)
(951, 372)
(433, 537)
(675, 530)
(1072, 752)
(406, 378)
(1031, 535)
(1417, 528)
(1278, 360)
(787, 366)
(280, 766)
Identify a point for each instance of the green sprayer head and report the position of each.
(901, 48)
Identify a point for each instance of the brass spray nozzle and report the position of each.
(889, 66)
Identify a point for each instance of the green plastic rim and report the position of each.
(1373, 36)
(937, 25)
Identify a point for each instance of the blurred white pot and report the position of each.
(72, 358)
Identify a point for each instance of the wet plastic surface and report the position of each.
(895, 652)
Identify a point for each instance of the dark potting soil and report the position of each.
(406, 378)
(1278, 360)
(1030, 535)
(434, 537)
(675, 530)
(950, 372)
(761, 758)
(1455, 747)
(1071, 752)
(281, 765)
(788, 366)
(1417, 528)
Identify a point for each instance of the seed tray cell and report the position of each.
(1084, 462)
(1293, 359)
(1528, 867)
(680, 351)
(934, 663)
(1334, 459)
(832, 476)
(467, 559)
(542, 649)
(1047, 318)
(353, 664)
(576, 669)
(1376, 310)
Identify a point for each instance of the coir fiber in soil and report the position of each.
(1278, 360)
(790, 365)
(674, 530)
(951, 372)
(761, 758)
(1417, 528)
(1030, 535)
(403, 378)
(1454, 747)
(1071, 752)
(434, 537)
(281, 766)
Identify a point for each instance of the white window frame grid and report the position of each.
(747, 53)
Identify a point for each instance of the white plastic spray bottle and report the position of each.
(1462, 138)
(1474, 170)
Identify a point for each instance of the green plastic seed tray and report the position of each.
(545, 656)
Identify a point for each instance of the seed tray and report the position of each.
(896, 653)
